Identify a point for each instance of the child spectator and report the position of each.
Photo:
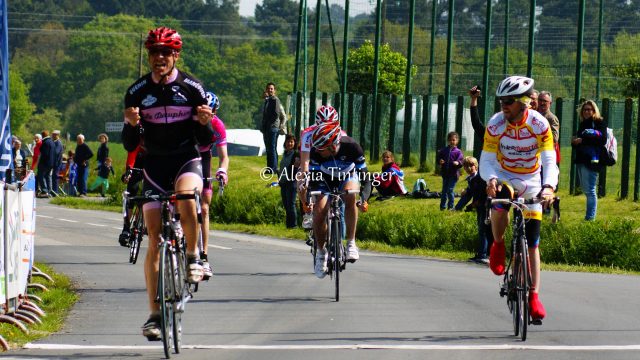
(450, 161)
(391, 179)
(477, 192)
(288, 169)
(103, 177)
(71, 173)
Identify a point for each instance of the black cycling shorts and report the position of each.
(162, 172)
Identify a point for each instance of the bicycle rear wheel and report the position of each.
(182, 293)
(337, 255)
(165, 297)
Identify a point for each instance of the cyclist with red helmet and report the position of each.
(169, 108)
(325, 114)
(340, 162)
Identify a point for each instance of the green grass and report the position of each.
(55, 303)
(416, 226)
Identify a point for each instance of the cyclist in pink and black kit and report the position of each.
(220, 142)
(169, 108)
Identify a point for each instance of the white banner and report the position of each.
(27, 236)
(3, 278)
(12, 242)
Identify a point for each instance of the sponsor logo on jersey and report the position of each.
(178, 98)
(137, 86)
(196, 85)
(149, 100)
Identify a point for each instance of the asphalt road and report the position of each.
(264, 303)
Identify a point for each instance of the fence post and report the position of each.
(350, 113)
(439, 130)
(626, 148)
(459, 116)
(636, 176)
(336, 103)
(602, 176)
(363, 122)
(312, 106)
(406, 131)
(325, 98)
(424, 135)
(392, 123)
(558, 113)
(298, 113)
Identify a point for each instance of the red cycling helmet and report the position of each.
(326, 114)
(326, 134)
(164, 37)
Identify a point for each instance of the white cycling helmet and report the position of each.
(515, 86)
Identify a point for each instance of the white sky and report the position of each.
(248, 6)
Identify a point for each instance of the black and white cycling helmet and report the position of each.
(515, 86)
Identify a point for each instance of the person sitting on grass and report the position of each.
(390, 181)
(103, 177)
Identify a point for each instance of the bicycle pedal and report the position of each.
(536, 321)
(503, 292)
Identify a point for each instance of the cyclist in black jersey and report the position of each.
(340, 161)
(168, 107)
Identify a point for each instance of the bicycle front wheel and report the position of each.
(182, 292)
(336, 240)
(165, 297)
(523, 290)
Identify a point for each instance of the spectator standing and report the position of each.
(19, 156)
(476, 191)
(450, 161)
(103, 177)
(288, 169)
(82, 155)
(58, 150)
(534, 100)
(273, 120)
(391, 179)
(544, 107)
(46, 162)
(71, 174)
(37, 143)
(103, 150)
(588, 141)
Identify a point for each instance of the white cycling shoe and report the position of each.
(321, 264)
(352, 251)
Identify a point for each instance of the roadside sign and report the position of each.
(113, 126)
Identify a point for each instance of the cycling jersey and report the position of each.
(519, 149)
(338, 169)
(167, 115)
(219, 139)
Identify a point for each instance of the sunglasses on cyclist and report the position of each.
(161, 51)
(507, 100)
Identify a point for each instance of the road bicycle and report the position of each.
(174, 290)
(136, 227)
(337, 257)
(516, 283)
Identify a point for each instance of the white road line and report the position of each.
(67, 220)
(346, 347)
(220, 247)
(45, 216)
(117, 228)
(101, 225)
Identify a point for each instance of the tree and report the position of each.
(20, 107)
(391, 70)
(277, 16)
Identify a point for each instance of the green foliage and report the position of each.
(392, 70)
(21, 107)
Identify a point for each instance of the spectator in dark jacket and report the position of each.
(289, 167)
(589, 142)
(450, 161)
(58, 151)
(476, 192)
(81, 158)
(46, 162)
(103, 150)
(273, 118)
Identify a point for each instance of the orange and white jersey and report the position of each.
(519, 149)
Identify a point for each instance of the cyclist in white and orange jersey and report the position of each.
(517, 143)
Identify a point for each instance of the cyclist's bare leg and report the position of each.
(206, 200)
(351, 210)
(151, 261)
(499, 223)
(320, 209)
(187, 209)
(534, 265)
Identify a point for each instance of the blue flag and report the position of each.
(5, 128)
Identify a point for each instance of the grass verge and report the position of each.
(56, 303)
